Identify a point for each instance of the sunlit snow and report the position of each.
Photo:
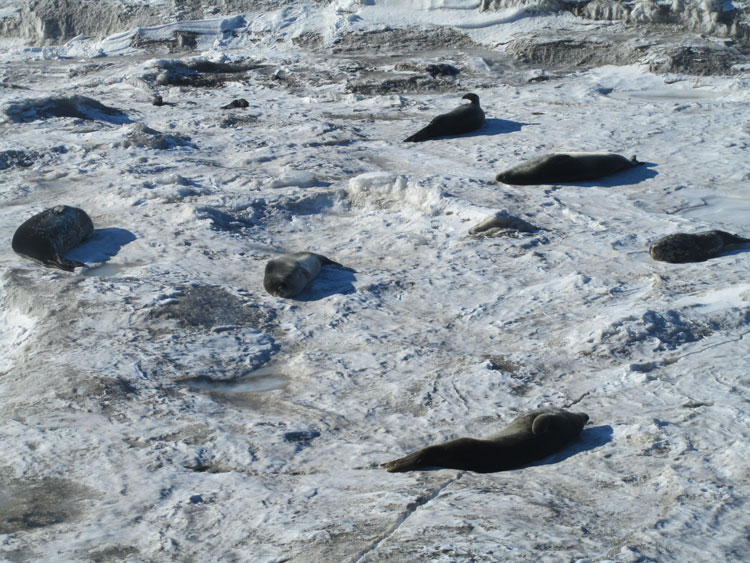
(159, 405)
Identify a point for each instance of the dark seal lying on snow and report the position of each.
(288, 275)
(530, 437)
(235, 104)
(696, 247)
(566, 167)
(49, 234)
(463, 119)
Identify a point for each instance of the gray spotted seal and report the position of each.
(696, 247)
(500, 222)
(46, 236)
(287, 276)
(530, 437)
(566, 167)
(463, 119)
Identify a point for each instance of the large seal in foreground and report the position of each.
(49, 234)
(566, 167)
(528, 438)
(463, 119)
(695, 247)
(288, 275)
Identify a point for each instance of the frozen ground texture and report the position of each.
(158, 405)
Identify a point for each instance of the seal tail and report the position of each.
(422, 135)
(325, 261)
(406, 463)
(635, 162)
(729, 238)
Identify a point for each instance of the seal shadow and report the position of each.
(101, 245)
(589, 439)
(628, 177)
(745, 247)
(330, 281)
(495, 126)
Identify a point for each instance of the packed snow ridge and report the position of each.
(49, 22)
(716, 17)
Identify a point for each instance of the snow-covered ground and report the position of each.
(159, 405)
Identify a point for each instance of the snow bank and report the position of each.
(715, 17)
(382, 190)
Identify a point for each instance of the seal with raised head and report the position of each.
(566, 167)
(46, 236)
(288, 275)
(463, 119)
(530, 437)
(694, 247)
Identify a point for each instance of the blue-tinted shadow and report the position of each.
(102, 245)
(330, 281)
(494, 126)
(628, 177)
(589, 439)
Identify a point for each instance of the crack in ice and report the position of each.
(411, 509)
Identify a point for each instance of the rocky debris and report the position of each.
(26, 158)
(207, 307)
(142, 136)
(695, 56)
(372, 43)
(696, 16)
(80, 107)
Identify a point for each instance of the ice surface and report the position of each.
(158, 405)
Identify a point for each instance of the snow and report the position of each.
(159, 405)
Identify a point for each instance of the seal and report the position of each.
(530, 437)
(46, 236)
(238, 103)
(501, 222)
(288, 275)
(566, 167)
(463, 119)
(696, 247)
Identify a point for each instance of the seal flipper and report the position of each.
(325, 261)
(64, 264)
(410, 462)
(542, 423)
(729, 238)
(425, 134)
